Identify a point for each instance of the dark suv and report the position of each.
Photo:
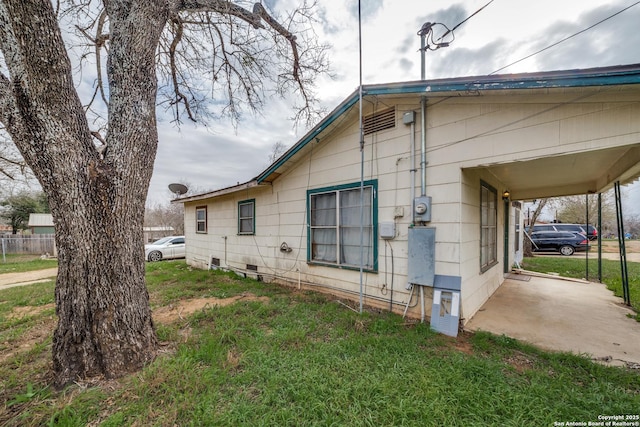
(564, 242)
(573, 228)
(592, 232)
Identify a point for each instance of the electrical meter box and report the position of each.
(387, 230)
(422, 209)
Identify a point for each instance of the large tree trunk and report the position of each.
(96, 196)
(104, 325)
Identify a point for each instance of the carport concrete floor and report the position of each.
(563, 315)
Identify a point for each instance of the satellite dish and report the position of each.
(178, 189)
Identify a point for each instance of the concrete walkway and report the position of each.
(11, 280)
(563, 315)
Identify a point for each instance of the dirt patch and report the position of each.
(35, 335)
(184, 308)
(519, 361)
(631, 246)
(28, 310)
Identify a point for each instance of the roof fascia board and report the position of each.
(603, 76)
(533, 81)
(217, 193)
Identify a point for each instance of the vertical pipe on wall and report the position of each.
(361, 160)
(423, 117)
(423, 146)
(413, 171)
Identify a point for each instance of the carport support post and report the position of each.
(621, 244)
(599, 237)
(587, 236)
(506, 249)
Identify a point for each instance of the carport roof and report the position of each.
(461, 86)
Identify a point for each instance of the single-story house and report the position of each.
(438, 173)
(41, 223)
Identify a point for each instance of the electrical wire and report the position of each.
(463, 21)
(567, 38)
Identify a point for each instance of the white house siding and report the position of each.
(465, 135)
(478, 286)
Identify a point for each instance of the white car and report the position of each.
(165, 248)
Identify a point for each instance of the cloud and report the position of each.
(368, 9)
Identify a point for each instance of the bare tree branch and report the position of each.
(222, 7)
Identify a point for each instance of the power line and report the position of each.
(465, 20)
(566, 38)
(427, 32)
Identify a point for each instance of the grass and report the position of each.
(576, 268)
(301, 359)
(17, 263)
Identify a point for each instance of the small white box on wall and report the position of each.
(387, 230)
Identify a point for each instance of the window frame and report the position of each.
(489, 192)
(202, 221)
(373, 184)
(241, 203)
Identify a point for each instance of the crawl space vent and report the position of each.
(381, 120)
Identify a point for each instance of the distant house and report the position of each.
(41, 223)
(438, 190)
(151, 234)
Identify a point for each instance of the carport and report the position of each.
(562, 315)
(585, 144)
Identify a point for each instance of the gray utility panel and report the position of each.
(422, 257)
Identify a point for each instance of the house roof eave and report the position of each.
(577, 78)
(217, 193)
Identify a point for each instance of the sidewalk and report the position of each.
(10, 280)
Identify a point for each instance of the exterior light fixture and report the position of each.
(505, 195)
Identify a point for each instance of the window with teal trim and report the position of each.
(247, 217)
(334, 226)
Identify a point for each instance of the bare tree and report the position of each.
(573, 209)
(527, 246)
(94, 159)
(12, 165)
(169, 215)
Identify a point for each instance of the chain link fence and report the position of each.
(36, 244)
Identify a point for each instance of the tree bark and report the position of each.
(96, 198)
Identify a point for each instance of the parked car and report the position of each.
(166, 248)
(592, 232)
(564, 242)
(573, 228)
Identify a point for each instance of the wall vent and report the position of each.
(252, 267)
(380, 120)
(215, 262)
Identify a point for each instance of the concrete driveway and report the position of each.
(563, 315)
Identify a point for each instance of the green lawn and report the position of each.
(12, 263)
(302, 359)
(576, 268)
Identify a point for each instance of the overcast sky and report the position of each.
(505, 31)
